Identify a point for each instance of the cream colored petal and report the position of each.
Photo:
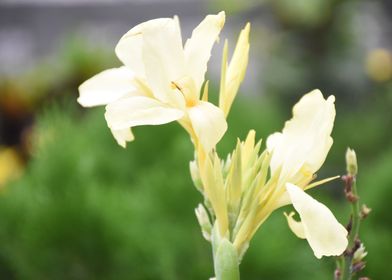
(305, 138)
(274, 141)
(164, 61)
(296, 227)
(129, 48)
(139, 110)
(123, 136)
(208, 122)
(236, 70)
(326, 236)
(198, 47)
(106, 87)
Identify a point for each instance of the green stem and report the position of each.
(226, 263)
(346, 260)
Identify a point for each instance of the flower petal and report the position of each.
(209, 124)
(129, 48)
(236, 70)
(139, 110)
(106, 87)
(123, 136)
(306, 137)
(326, 236)
(164, 62)
(198, 47)
(296, 227)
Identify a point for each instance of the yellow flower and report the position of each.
(161, 81)
(242, 193)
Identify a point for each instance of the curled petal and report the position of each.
(305, 138)
(123, 136)
(296, 227)
(139, 110)
(209, 124)
(326, 236)
(198, 47)
(106, 87)
(129, 48)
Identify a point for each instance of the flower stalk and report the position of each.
(226, 262)
(351, 261)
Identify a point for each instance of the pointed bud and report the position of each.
(233, 74)
(351, 162)
(204, 221)
(359, 254)
(365, 211)
(195, 174)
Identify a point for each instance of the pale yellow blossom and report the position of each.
(161, 81)
(244, 191)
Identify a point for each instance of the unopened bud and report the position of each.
(195, 174)
(358, 266)
(359, 254)
(351, 197)
(351, 162)
(204, 221)
(365, 211)
(337, 274)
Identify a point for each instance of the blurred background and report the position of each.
(75, 205)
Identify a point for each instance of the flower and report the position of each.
(161, 81)
(242, 194)
(297, 154)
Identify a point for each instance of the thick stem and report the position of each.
(226, 263)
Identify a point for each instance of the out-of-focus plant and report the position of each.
(308, 14)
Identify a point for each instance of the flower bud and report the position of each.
(195, 174)
(351, 162)
(359, 254)
(204, 221)
(365, 211)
